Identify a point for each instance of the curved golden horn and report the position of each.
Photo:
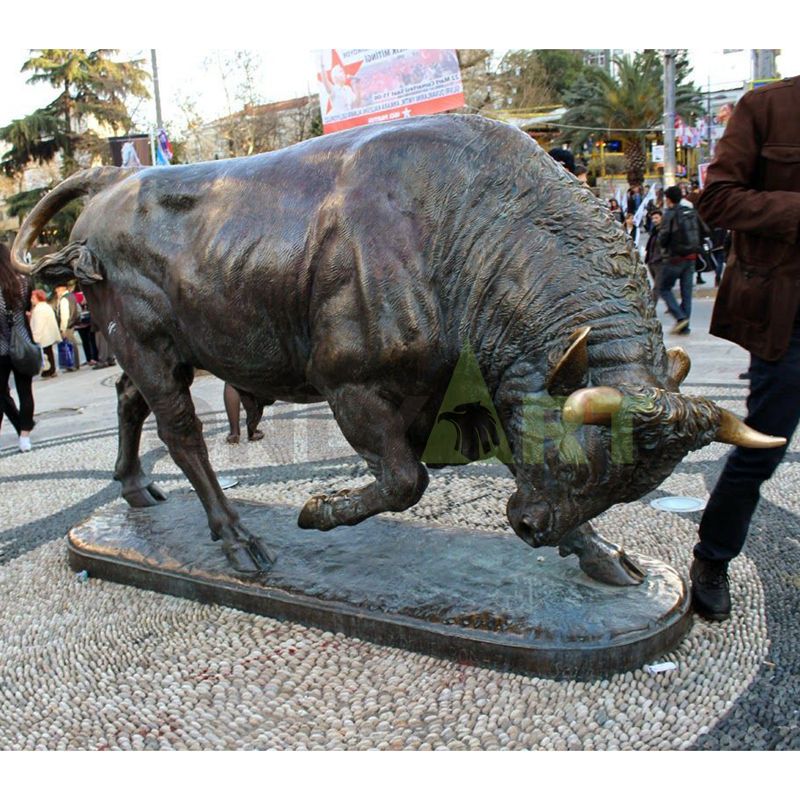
(569, 374)
(733, 431)
(678, 366)
(594, 406)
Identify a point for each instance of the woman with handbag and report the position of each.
(18, 353)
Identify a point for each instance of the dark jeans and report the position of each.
(22, 420)
(89, 343)
(51, 357)
(104, 354)
(773, 407)
(682, 271)
(655, 274)
(718, 257)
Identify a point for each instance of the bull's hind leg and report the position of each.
(164, 384)
(132, 410)
(377, 431)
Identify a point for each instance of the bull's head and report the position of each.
(601, 445)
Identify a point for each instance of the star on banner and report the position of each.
(406, 112)
(350, 70)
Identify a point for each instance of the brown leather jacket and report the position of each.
(753, 188)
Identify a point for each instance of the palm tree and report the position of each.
(628, 105)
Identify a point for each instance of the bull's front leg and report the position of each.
(376, 430)
(182, 432)
(600, 559)
(533, 520)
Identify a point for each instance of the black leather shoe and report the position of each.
(711, 597)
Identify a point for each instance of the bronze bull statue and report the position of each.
(353, 268)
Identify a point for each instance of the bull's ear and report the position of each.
(678, 366)
(571, 371)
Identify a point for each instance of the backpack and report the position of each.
(686, 238)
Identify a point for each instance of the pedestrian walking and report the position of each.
(653, 254)
(616, 211)
(234, 398)
(564, 157)
(68, 315)
(44, 329)
(633, 199)
(653, 205)
(632, 229)
(15, 295)
(753, 188)
(719, 238)
(680, 239)
(84, 329)
(105, 358)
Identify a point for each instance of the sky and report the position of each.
(191, 44)
(183, 72)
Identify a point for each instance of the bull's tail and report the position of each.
(75, 260)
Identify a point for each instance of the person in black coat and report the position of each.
(653, 254)
(15, 302)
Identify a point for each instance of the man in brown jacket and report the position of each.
(753, 189)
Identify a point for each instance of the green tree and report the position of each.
(561, 68)
(315, 128)
(476, 78)
(521, 80)
(91, 83)
(627, 105)
(59, 227)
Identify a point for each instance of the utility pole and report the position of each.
(709, 121)
(156, 92)
(669, 118)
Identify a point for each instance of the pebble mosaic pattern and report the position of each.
(100, 666)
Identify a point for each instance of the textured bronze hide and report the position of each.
(353, 268)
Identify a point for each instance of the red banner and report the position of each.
(362, 87)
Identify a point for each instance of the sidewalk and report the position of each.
(94, 665)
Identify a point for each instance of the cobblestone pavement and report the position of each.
(97, 665)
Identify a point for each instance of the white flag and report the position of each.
(642, 210)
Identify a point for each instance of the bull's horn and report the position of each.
(570, 373)
(678, 366)
(733, 431)
(594, 406)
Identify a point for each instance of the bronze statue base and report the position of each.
(476, 596)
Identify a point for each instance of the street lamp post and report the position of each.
(156, 92)
(157, 97)
(669, 118)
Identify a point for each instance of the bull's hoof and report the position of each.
(143, 496)
(317, 513)
(320, 510)
(615, 569)
(249, 556)
(604, 561)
